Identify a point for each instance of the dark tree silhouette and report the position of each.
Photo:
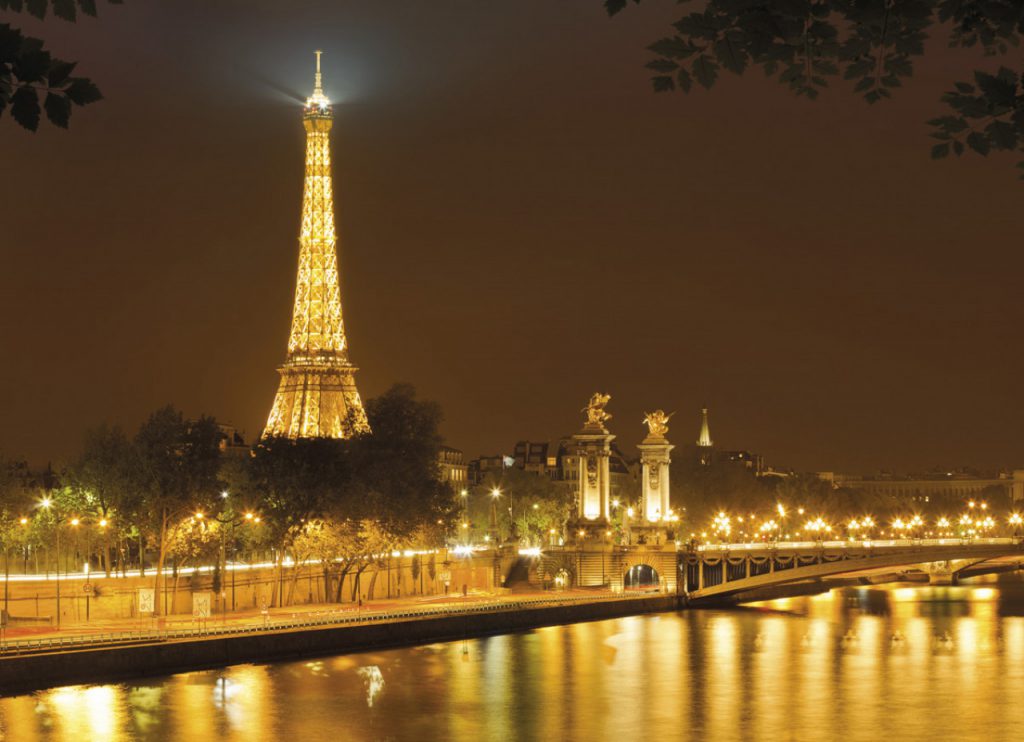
(29, 73)
(870, 44)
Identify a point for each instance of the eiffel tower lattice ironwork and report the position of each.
(317, 397)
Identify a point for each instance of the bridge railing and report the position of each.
(856, 544)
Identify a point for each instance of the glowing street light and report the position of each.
(1016, 520)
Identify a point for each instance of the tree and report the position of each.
(15, 504)
(398, 477)
(28, 71)
(872, 44)
(530, 505)
(293, 483)
(175, 472)
(101, 477)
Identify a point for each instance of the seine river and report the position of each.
(894, 663)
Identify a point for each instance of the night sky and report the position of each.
(522, 222)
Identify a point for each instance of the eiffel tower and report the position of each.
(317, 397)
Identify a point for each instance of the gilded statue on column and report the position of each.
(657, 423)
(596, 415)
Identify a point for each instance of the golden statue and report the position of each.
(657, 423)
(596, 416)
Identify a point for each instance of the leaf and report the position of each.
(978, 142)
(899, 66)
(958, 147)
(674, 48)
(940, 150)
(59, 72)
(88, 7)
(684, 80)
(705, 70)
(32, 64)
(951, 124)
(697, 25)
(730, 55)
(25, 108)
(82, 91)
(663, 83)
(1002, 134)
(614, 6)
(863, 85)
(37, 7)
(964, 87)
(998, 90)
(65, 9)
(58, 109)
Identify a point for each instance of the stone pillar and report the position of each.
(654, 486)
(593, 452)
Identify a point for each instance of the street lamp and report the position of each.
(1016, 521)
(495, 494)
(47, 504)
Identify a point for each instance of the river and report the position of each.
(896, 662)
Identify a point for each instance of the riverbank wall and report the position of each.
(33, 600)
(21, 674)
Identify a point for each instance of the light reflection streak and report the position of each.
(723, 686)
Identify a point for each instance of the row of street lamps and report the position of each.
(976, 521)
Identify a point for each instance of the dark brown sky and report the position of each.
(522, 223)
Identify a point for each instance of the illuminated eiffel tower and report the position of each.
(317, 397)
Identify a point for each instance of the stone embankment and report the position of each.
(33, 671)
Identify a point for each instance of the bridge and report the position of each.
(735, 573)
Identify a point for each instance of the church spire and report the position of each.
(317, 397)
(704, 440)
(704, 443)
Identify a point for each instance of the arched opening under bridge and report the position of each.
(641, 577)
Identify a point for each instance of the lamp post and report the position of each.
(47, 504)
(495, 494)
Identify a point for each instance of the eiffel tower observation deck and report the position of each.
(317, 397)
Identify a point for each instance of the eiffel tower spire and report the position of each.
(317, 396)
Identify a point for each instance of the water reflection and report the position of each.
(858, 663)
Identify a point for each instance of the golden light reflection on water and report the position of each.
(857, 664)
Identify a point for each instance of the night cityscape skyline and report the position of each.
(839, 327)
(607, 369)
